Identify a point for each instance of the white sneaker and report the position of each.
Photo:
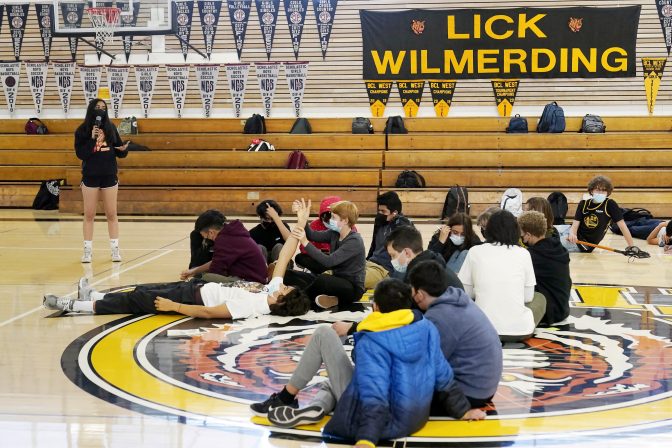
(84, 290)
(52, 302)
(88, 254)
(116, 255)
(325, 301)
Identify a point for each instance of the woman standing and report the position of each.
(97, 144)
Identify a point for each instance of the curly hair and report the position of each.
(602, 182)
(294, 303)
(533, 222)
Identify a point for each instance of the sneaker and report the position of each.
(88, 253)
(83, 289)
(289, 417)
(116, 255)
(261, 409)
(324, 301)
(52, 302)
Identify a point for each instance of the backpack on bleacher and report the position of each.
(517, 125)
(512, 201)
(457, 201)
(35, 126)
(256, 124)
(301, 126)
(128, 126)
(296, 161)
(592, 124)
(361, 125)
(48, 194)
(258, 145)
(559, 206)
(552, 119)
(395, 125)
(410, 179)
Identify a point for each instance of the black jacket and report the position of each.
(551, 268)
(377, 252)
(101, 163)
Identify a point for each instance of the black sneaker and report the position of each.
(261, 409)
(289, 417)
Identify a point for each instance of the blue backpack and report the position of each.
(517, 125)
(552, 119)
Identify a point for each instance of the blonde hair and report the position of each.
(346, 210)
(533, 222)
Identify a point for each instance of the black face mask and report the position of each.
(100, 113)
(267, 225)
(380, 219)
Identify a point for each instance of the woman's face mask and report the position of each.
(457, 240)
(599, 197)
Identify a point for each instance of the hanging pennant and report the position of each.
(296, 74)
(267, 10)
(16, 16)
(410, 93)
(126, 20)
(505, 94)
(237, 75)
(295, 10)
(239, 14)
(378, 92)
(64, 73)
(665, 17)
(183, 12)
(117, 76)
(267, 76)
(178, 78)
(145, 76)
(45, 16)
(653, 75)
(2, 13)
(442, 96)
(90, 77)
(37, 78)
(72, 14)
(209, 12)
(325, 10)
(9, 74)
(207, 76)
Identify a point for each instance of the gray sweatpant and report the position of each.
(324, 347)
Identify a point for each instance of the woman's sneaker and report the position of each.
(262, 408)
(83, 289)
(116, 254)
(52, 302)
(88, 253)
(325, 301)
(289, 417)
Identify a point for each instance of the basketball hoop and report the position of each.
(105, 20)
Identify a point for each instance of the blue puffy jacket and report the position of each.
(398, 365)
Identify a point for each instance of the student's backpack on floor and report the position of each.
(559, 206)
(410, 179)
(258, 145)
(457, 201)
(296, 161)
(35, 126)
(48, 194)
(361, 125)
(592, 124)
(639, 221)
(256, 124)
(512, 201)
(301, 126)
(517, 125)
(552, 119)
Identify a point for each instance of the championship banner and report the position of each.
(296, 74)
(653, 74)
(237, 75)
(207, 76)
(295, 10)
(209, 12)
(64, 72)
(239, 14)
(16, 16)
(267, 75)
(37, 78)
(267, 10)
(378, 92)
(442, 96)
(325, 11)
(505, 94)
(145, 76)
(178, 78)
(509, 43)
(90, 77)
(183, 11)
(128, 20)
(72, 14)
(665, 17)
(410, 93)
(45, 16)
(117, 75)
(10, 73)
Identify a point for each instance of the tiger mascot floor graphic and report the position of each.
(606, 372)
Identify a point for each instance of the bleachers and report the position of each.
(196, 164)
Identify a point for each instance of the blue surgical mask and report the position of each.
(457, 240)
(398, 266)
(333, 225)
(599, 198)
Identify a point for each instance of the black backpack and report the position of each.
(639, 221)
(256, 124)
(48, 194)
(410, 179)
(394, 125)
(559, 206)
(457, 201)
(633, 214)
(592, 124)
(517, 125)
(361, 125)
(552, 119)
(35, 126)
(301, 126)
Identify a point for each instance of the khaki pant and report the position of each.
(538, 307)
(374, 274)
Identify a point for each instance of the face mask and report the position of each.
(100, 113)
(380, 219)
(457, 240)
(599, 198)
(398, 266)
(333, 225)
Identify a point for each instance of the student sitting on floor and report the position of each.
(194, 298)
(235, 254)
(387, 393)
(499, 276)
(319, 225)
(271, 233)
(542, 205)
(551, 266)
(454, 240)
(482, 220)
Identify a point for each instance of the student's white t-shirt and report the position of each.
(499, 275)
(240, 302)
(661, 237)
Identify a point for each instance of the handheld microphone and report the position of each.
(99, 120)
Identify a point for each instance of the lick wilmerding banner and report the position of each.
(117, 76)
(9, 74)
(207, 75)
(37, 78)
(145, 77)
(64, 74)
(267, 75)
(90, 76)
(178, 79)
